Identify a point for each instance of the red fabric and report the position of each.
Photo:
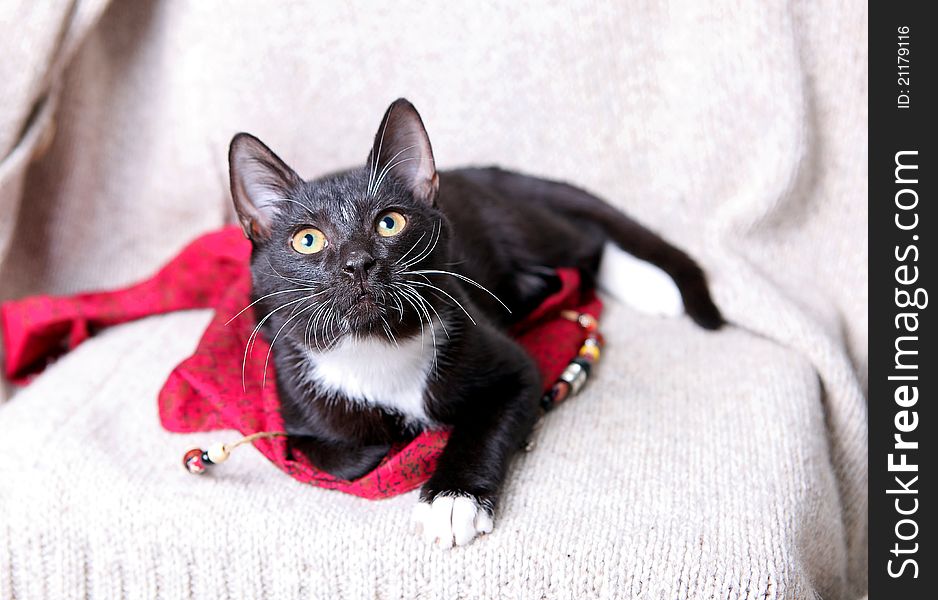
(205, 391)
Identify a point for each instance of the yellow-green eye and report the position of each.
(308, 241)
(391, 223)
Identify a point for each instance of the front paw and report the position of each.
(453, 517)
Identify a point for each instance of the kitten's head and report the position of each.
(336, 256)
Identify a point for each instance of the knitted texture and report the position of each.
(730, 464)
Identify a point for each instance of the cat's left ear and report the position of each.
(260, 183)
(402, 151)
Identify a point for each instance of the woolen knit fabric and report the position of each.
(695, 465)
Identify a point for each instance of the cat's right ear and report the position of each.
(260, 182)
(402, 150)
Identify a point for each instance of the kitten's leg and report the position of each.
(344, 461)
(329, 449)
(458, 502)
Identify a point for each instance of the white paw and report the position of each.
(452, 519)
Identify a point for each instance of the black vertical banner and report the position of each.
(903, 266)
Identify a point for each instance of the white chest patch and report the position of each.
(377, 373)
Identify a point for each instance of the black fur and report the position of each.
(504, 230)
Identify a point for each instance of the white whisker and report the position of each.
(306, 332)
(429, 248)
(433, 308)
(426, 313)
(388, 332)
(267, 296)
(307, 208)
(400, 307)
(377, 156)
(445, 293)
(422, 235)
(321, 311)
(250, 343)
(274, 341)
(387, 169)
(416, 310)
(462, 277)
(291, 279)
(388, 166)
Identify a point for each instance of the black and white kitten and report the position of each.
(386, 291)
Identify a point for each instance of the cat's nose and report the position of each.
(358, 263)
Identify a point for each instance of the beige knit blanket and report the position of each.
(696, 465)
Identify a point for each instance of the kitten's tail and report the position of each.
(655, 277)
(634, 281)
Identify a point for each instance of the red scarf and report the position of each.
(205, 392)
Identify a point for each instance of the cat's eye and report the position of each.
(391, 223)
(308, 241)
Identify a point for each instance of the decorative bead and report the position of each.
(555, 395)
(590, 352)
(561, 391)
(217, 453)
(570, 373)
(577, 372)
(587, 322)
(547, 400)
(575, 375)
(192, 461)
(587, 365)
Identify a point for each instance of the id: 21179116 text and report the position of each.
(903, 80)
